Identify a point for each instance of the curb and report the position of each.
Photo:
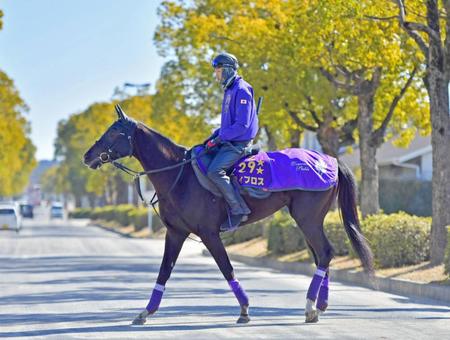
(113, 230)
(394, 286)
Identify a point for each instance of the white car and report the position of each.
(57, 210)
(10, 217)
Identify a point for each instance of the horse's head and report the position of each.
(115, 143)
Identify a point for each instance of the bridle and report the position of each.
(106, 156)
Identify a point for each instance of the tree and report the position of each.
(77, 133)
(17, 153)
(370, 60)
(288, 48)
(428, 24)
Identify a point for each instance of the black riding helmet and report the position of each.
(225, 60)
(229, 65)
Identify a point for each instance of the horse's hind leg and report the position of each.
(215, 246)
(311, 223)
(322, 298)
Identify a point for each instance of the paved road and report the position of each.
(63, 280)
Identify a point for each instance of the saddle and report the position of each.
(259, 173)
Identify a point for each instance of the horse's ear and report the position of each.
(120, 113)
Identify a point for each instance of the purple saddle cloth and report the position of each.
(288, 169)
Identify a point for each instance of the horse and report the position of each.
(186, 207)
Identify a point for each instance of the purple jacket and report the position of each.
(239, 120)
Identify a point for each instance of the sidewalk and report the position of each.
(394, 286)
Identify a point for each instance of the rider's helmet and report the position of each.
(229, 65)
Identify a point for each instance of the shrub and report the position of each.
(398, 239)
(120, 214)
(124, 214)
(80, 213)
(245, 233)
(335, 231)
(139, 218)
(284, 235)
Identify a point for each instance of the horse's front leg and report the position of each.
(172, 248)
(215, 246)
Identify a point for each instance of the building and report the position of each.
(413, 162)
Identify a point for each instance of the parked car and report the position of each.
(10, 217)
(26, 210)
(56, 210)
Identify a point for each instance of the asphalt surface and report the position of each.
(65, 280)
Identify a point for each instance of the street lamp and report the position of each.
(140, 88)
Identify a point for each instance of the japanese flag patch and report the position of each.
(243, 101)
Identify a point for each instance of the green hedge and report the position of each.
(447, 253)
(398, 239)
(124, 214)
(284, 235)
(245, 233)
(80, 213)
(335, 231)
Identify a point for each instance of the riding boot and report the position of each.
(237, 213)
(226, 156)
(242, 202)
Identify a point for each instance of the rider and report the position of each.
(239, 125)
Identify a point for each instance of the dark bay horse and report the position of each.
(186, 207)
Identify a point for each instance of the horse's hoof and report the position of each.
(140, 319)
(312, 316)
(243, 319)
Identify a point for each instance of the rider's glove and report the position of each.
(212, 143)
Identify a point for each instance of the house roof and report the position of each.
(390, 154)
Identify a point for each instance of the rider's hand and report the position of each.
(212, 143)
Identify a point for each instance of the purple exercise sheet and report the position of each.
(288, 169)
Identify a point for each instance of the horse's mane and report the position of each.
(167, 147)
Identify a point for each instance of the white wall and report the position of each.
(426, 165)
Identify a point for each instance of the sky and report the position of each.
(65, 55)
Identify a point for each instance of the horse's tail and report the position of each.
(347, 204)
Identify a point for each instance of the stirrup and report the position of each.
(232, 222)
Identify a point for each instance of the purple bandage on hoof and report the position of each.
(316, 282)
(239, 292)
(322, 299)
(155, 299)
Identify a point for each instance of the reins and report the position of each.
(155, 199)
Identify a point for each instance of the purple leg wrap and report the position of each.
(322, 299)
(239, 292)
(316, 282)
(155, 300)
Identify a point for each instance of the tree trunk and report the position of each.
(368, 155)
(328, 138)
(77, 201)
(440, 141)
(92, 200)
(271, 144)
(437, 53)
(122, 190)
(295, 138)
